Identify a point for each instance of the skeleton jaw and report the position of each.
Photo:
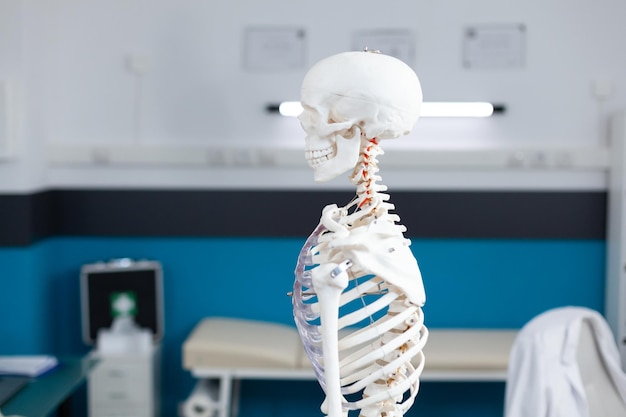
(331, 156)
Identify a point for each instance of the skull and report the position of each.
(350, 98)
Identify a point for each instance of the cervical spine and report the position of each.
(372, 368)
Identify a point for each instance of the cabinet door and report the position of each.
(122, 383)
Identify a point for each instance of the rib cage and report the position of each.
(304, 314)
(377, 359)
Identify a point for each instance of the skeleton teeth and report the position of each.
(318, 161)
(316, 157)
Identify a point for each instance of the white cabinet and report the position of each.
(125, 385)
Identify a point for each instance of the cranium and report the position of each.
(351, 97)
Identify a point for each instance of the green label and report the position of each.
(123, 304)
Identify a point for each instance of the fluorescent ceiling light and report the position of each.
(459, 109)
(290, 108)
(429, 109)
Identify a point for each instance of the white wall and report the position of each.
(67, 62)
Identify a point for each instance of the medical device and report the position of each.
(122, 302)
(121, 288)
(356, 270)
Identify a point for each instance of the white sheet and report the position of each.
(544, 378)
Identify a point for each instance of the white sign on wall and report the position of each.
(274, 48)
(494, 46)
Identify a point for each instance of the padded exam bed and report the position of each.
(228, 350)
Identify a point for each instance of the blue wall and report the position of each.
(469, 283)
(25, 301)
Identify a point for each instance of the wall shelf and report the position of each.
(497, 158)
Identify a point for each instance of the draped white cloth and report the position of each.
(544, 378)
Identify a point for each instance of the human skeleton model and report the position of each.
(356, 270)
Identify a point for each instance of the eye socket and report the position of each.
(308, 117)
